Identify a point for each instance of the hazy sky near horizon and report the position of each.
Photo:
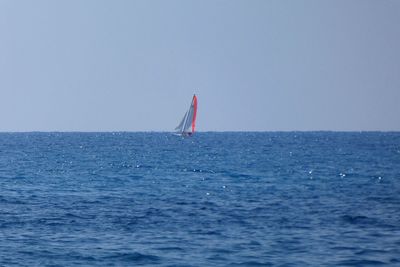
(255, 65)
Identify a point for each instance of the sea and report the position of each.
(214, 199)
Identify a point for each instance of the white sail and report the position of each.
(189, 120)
(180, 126)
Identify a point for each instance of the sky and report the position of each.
(299, 65)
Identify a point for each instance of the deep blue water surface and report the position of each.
(216, 199)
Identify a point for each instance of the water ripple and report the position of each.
(217, 199)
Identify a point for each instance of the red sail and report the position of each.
(194, 112)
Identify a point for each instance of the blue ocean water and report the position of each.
(216, 199)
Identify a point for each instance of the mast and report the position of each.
(194, 103)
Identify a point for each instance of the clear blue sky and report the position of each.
(255, 65)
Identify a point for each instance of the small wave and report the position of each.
(238, 175)
(135, 177)
(201, 232)
(358, 219)
(365, 221)
(344, 248)
(384, 199)
(85, 217)
(217, 258)
(180, 265)
(394, 260)
(142, 166)
(371, 252)
(170, 249)
(196, 170)
(252, 263)
(360, 263)
(11, 200)
(134, 257)
(222, 251)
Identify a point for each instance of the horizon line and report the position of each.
(210, 131)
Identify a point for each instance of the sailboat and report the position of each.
(188, 123)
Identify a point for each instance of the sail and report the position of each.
(188, 123)
(189, 120)
(180, 126)
(191, 117)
